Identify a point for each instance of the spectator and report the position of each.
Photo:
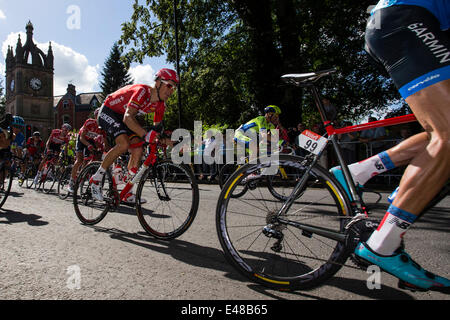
(374, 138)
(348, 145)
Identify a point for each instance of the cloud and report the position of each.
(70, 66)
(143, 74)
(2, 15)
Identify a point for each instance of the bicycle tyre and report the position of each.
(240, 224)
(50, 179)
(225, 173)
(169, 189)
(63, 183)
(5, 185)
(30, 173)
(90, 211)
(280, 186)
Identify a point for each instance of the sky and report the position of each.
(81, 32)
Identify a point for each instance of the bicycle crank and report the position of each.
(359, 229)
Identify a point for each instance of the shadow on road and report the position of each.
(19, 217)
(211, 258)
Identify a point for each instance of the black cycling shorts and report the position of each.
(54, 147)
(81, 147)
(408, 42)
(112, 123)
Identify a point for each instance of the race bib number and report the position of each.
(312, 142)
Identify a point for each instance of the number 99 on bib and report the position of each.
(312, 142)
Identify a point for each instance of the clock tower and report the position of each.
(29, 84)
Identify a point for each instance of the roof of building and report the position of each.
(82, 101)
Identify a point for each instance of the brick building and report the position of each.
(75, 109)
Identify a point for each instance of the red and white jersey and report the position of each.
(57, 137)
(91, 129)
(135, 96)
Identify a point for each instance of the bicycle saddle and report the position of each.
(299, 79)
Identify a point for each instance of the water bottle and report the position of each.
(393, 195)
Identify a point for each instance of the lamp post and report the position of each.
(175, 18)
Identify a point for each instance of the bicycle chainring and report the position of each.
(359, 231)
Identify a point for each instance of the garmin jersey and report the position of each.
(57, 137)
(439, 8)
(91, 129)
(135, 96)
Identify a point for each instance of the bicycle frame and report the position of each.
(149, 161)
(333, 132)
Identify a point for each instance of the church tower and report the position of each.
(29, 84)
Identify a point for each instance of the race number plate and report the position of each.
(312, 142)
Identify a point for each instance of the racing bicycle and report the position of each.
(170, 191)
(301, 242)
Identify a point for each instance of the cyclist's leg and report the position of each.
(423, 80)
(122, 144)
(428, 171)
(136, 151)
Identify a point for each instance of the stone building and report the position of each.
(29, 83)
(29, 90)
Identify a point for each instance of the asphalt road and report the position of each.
(47, 254)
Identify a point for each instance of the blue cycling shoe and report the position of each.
(412, 276)
(339, 175)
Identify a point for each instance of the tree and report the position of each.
(115, 74)
(234, 52)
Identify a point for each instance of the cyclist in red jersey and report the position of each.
(86, 142)
(57, 138)
(117, 117)
(35, 146)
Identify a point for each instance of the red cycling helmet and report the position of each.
(167, 74)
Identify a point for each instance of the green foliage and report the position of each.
(115, 74)
(233, 53)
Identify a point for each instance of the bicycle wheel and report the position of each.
(225, 173)
(280, 184)
(172, 198)
(63, 183)
(286, 257)
(89, 210)
(50, 179)
(6, 179)
(30, 173)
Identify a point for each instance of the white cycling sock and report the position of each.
(388, 237)
(364, 170)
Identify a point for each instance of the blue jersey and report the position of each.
(19, 140)
(439, 8)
